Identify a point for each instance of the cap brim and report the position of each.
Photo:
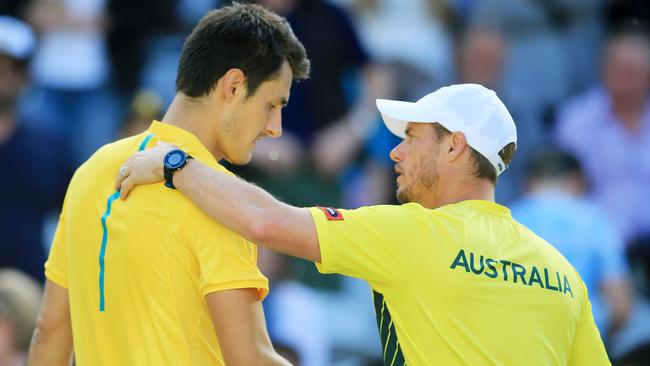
(397, 114)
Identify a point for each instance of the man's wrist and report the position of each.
(174, 161)
(179, 177)
(159, 171)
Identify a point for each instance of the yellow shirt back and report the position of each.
(463, 284)
(138, 271)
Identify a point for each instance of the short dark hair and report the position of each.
(552, 163)
(244, 36)
(482, 166)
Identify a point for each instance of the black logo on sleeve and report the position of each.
(332, 214)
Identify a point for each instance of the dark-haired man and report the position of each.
(154, 281)
(456, 280)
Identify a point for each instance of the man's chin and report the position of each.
(239, 160)
(402, 197)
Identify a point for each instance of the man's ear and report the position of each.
(233, 84)
(457, 145)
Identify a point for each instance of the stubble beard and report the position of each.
(426, 180)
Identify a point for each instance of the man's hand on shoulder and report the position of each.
(144, 167)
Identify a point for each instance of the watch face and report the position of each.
(175, 159)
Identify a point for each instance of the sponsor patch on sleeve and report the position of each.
(332, 214)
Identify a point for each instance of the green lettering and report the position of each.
(559, 283)
(471, 264)
(518, 270)
(567, 287)
(534, 277)
(460, 260)
(548, 285)
(490, 265)
(505, 273)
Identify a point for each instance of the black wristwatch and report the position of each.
(174, 161)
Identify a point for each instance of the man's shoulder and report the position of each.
(105, 161)
(118, 150)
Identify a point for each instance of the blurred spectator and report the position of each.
(582, 29)
(556, 209)
(36, 171)
(608, 129)
(20, 298)
(133, 26)
(294, 314)
(551, 44)
(411, 33)
(536, 68)
(411, 40)
(13, 8)
(636, 357)
(481, 54)
(624, 12)
(638, 252)
(330, 116)
(159, 42)
(480, 58)
(71, 73)
(146, 106)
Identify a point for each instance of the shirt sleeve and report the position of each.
(587, 348)
(372, 243)
(56, 267)
(226, 260)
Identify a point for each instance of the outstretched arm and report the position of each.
(242, 207)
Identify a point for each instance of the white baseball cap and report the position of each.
(16, 38)
(471, 109)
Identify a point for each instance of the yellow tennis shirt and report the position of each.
(138, 270)
(463, 284)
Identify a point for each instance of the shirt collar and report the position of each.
(184, 139)
(489, 206)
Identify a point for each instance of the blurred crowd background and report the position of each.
(575, 75)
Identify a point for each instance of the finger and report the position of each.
(118, 182)
(125, 189)
(119, 179)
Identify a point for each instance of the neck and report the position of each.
(630, 112)
(194, 117)
(470, 188)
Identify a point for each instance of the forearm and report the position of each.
(235, 204)
(50, 349)
(249, 211)
(52, 340)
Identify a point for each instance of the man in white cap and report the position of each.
(456, 280)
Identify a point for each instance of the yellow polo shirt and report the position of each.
(138, 271)
(463, 284)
